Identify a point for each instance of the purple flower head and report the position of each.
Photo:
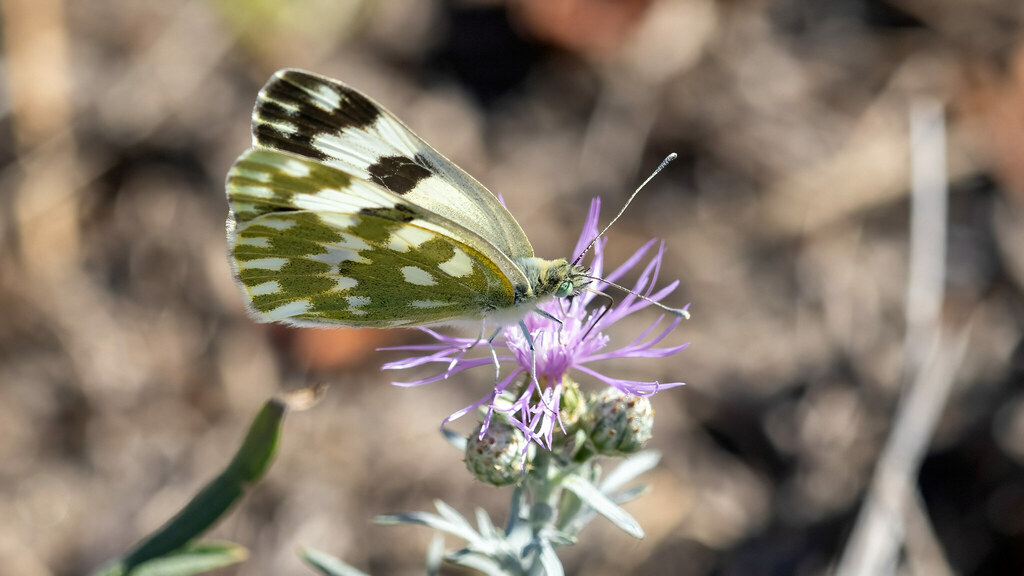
(533, 406)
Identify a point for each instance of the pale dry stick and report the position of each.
(873, 548)
(927, 274)
(924, 550)
(870, 170)
(37, 68)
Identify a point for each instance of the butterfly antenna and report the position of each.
(674, 311)
(660, 167)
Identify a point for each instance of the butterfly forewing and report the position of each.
(326, 121)
(311, 244)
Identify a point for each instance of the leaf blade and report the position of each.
(601, 504)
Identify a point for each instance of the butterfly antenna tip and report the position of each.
(660, 167)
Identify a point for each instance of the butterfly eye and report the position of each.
(564, 289)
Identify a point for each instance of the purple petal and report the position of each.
(444, 375)
(589, 227)
(668, 329)
(631, 261)
(637, 387)
(636, 341)
(671, 326)
(415, 348)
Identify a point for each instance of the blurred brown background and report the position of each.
(128, 369)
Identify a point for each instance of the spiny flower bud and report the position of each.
(497, 457)
(619, 423)
(572, 407)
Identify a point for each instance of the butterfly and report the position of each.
(341, 215)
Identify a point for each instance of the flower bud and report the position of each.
(618, 423)
(497, 457)
(572, 408)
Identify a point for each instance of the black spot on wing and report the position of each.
(399, 213)
(295, 106)
(270, 136)
(398, 174)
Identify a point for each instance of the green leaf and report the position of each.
(484, 525)
(193, 558)
(216, 498)
(478, 562)
(435, 555)
(515, 509)
(460, 529)
(629, 469)
(326, 564)
(630, 495)
(456, 440)
(558, 538)
(601, 504)
(549, 560)
(458, 520)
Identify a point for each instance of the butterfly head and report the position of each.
(556, 278)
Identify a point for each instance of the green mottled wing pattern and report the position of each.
(324, 120)
(313, 245)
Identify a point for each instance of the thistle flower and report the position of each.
(534, 406)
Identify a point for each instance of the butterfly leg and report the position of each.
(462, 352)
(546, 315)
(533, 351)
(494, 356)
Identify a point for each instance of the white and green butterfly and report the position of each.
(340, 215)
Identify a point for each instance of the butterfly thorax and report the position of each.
(550, 278)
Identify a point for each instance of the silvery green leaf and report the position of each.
(514, 509)
(629, 469)
(559, 538)
(421, 518)
(569, 507)
(326, 564)
(478, 562)
(452, 515)
(582, 518)
(456, 440)
(430, 520)
(484, 525)
(435, 555)
(519, 536)
(629, 495)
(601, 504)
(549, 560)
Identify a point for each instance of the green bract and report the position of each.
(497, 457)
(619, 423)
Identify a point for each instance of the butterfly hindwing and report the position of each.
(324, 120)
(311, 244)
